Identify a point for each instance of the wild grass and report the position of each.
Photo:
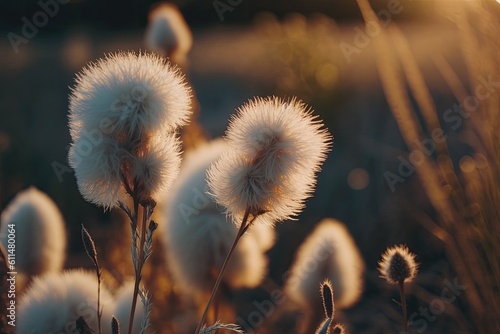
(464, 194)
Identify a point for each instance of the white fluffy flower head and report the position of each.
(129, 92)
(54, 302)
(328, 253)
(276, 149)
(198, 235)
(124, 113)
(40, 232)
(168, 32)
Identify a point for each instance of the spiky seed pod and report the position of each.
(398, 265)
(82, 327)
(327, 297)
(338, 329)
(115, 326)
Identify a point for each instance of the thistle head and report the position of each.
(398, 265)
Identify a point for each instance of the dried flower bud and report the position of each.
(327, 297)
(338, 329)
(89, 246)
(115, 326)
(398, 265)
(82, 327)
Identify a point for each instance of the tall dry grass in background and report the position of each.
(464, 194)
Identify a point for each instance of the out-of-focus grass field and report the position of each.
(295, 53)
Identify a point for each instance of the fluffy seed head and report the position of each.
(103, 176)
(156, 169)
(168, 32)
(275, 150)
(398, 265)
(128, 92)
(40, 232)
(198, 236)
(54, 302)
(97, 170)
(124, 112)
(331, 253)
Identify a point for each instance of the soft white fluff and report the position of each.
(129, 92)
(97, 169)
(276, 149)
(168, 33)
(158, 167)
(124, 113)
(53, 302)
(40, 236)
(328, 253)
(123, 304)
(198, 235)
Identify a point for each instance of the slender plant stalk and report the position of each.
(136, 271)
(99, 311)
(91, 251)
(146, 212)
(241, 231)
(403, 305)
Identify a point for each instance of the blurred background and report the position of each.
(241, 49)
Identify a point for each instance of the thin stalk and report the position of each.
(403, 305)
(89, 245)
(99, 311)
(241, 231)
(138, 266)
